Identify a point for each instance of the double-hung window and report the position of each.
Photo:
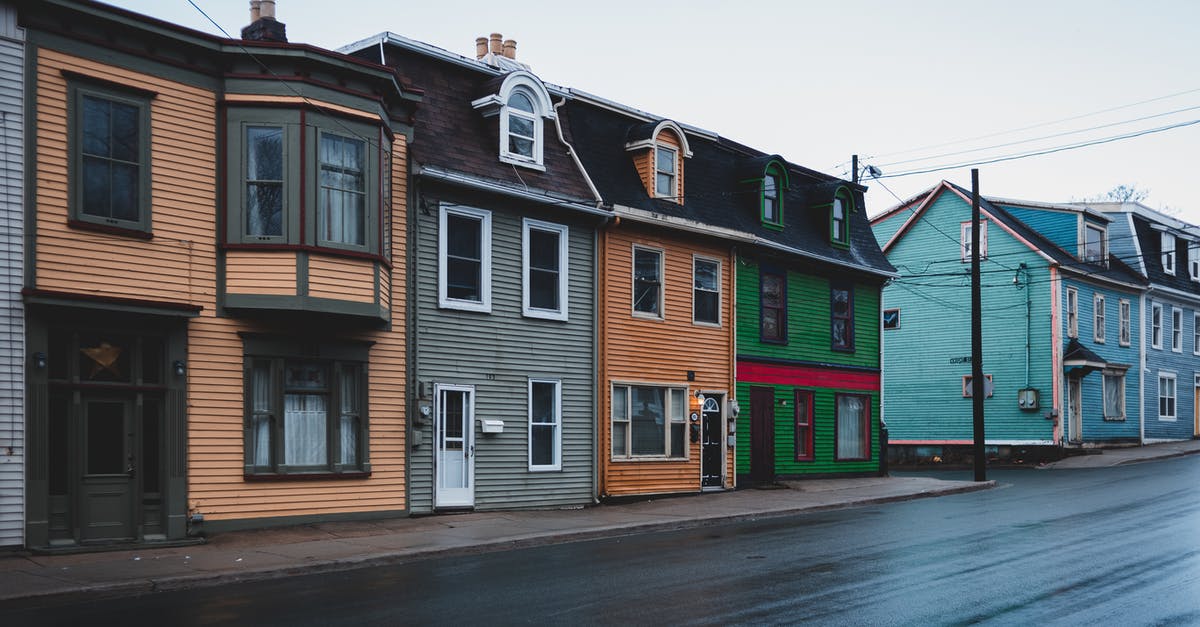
(545, 424)
(1166, 396)
(1123, 309)
(1196, 333)
(1167, 244)
(465, 259)
(648, 421)
(1098, 317)
(647, 282)
(1156, 319)
(1072, 312)
(804, 426)
(522, 129)
(1094, 250)
(110, 157)
(1114, 395)
(772, 199)
(544, 270)
(966, 239)
(706, 291)
(665, 172)
(342, 190)
(1176, 330)
(772, 322)
(841, 306)
(1193, 249)
(853, 424)
(306, 414)
(264, 181)
(839, 220)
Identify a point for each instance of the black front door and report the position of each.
(711, 433)
(762, 434)
(107, 488)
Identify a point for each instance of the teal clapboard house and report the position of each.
(1061, 327)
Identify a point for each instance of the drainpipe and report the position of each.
(1142, 365)
(575, 157)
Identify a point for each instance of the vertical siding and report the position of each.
(498, 352)
(12, 326)
(1095, 427)
(177, 264)
(922, 386)
(640, 350)
(260, 272)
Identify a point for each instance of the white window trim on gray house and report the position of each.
(555, 426)
(1156, 325)
(484, 304)
(562, 231)
(1124, 311)
(1176, 330)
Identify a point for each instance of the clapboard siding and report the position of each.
(260, 272)
(1060, 227)
(12, 326)
(345, 279)
(923, 397)
(1095, 427)
(498, 352)
(661, 352)
(1185, 365)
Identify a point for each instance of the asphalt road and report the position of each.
(1111, 546)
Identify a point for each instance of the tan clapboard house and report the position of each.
(215, 279)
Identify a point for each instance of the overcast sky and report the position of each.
(817, 82)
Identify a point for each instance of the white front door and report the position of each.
(1075, 408)
(454, 453)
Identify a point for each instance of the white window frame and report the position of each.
(1124, 312)
(1194, 260)
(720, 295)
(485, 249)
(1176, 330)
(1098, 318)
(662, 280)
(563, 232)
(1072, 312)
(673, 193)
(1103, 257)
(535, 118)
(1167, 244)
(964, 231)
(1196, 332)
(1104, 377)
(558, 426)
(496, 105)
(669, 418)
(1156, 320)
(1174, 397)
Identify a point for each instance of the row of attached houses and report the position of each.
(251, 282)
(1086, 314)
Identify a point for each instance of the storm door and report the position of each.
(762, 434)
(712, 433)
(107, 487)
(1075, 408)
(454, 453)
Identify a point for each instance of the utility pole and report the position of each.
(977, 389)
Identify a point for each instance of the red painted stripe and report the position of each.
(807, 376)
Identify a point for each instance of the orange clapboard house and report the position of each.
(214, 289)
(666, 320)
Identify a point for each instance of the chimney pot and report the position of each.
(497, 47)
(267, 8)
(481, 47)
(255, 10)
(510, 48)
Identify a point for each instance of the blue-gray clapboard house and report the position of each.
(1061, 327)
(12, 317)
(1166, 251)
(502, 247)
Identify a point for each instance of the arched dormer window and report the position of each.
(522, 105)
(659, 149)
(774, 183)
(839, 217)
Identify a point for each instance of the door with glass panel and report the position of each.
(454, 450)
(712, 449)
(1075, 408)
(107, 486)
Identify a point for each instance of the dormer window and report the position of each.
(523, 106)
(769, 183)
(1168, 253)
(665, 158)
(839, 218)
(1094, 244)
(770, 200)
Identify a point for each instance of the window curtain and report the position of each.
(851, 437)
(304, 430)
(261, 414)
(349, 417)
(1113, 397)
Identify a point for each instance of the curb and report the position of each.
(185, 582)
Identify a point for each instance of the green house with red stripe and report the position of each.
(808, 338)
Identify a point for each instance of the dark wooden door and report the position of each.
(762, 434)
(107, 487)
(711, 433)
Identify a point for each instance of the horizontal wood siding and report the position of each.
(1185, 365)
(344, 279)
(498, 352)
(12, 322)
(177, 265)
(1060, 227)
(927, 357)
(260, 272)
(660, 352)
(1095, 427)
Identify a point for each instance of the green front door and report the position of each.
(107, 489)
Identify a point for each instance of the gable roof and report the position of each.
(1115, 271)
(717, 192)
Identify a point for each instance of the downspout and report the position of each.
(1028, 316)
(575, 157)
(732, 450)
(1142, 365)
(1056, 374)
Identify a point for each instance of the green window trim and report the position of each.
(839, 218)
(773, 184)
(109, 148)
(312, 180)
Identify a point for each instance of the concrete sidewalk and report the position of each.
(264, 554)
(1104, 458)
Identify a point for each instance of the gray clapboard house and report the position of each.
(502, 241)
(12, 326)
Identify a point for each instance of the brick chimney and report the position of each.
(510, 48)
(263, 25)
(497, 47)
(481, 47)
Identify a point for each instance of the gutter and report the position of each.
(446, 176)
